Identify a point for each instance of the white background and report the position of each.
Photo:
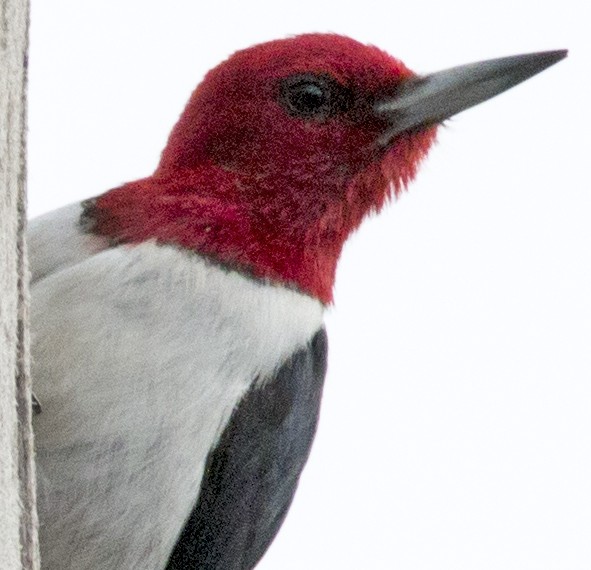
(456, 425)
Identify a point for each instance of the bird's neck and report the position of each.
(293, 238)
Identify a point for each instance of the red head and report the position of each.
(243, 116)
(278, 156)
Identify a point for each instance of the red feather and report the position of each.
(246, 184)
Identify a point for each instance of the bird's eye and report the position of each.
(314, 97)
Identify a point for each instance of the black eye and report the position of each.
(317, 97)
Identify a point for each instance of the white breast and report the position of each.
(139, 356)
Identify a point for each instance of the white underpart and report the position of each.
(140, 355)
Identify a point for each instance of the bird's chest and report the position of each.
(140, 355)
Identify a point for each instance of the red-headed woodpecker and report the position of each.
(179, 351)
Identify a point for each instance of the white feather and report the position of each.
(55, 241)
(140, 353)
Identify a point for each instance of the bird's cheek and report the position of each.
(230, 149)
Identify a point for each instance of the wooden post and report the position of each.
(18, 518)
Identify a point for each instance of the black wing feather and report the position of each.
(251, 476)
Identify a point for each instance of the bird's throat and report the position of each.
(292, 242)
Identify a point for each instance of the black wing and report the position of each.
(251, 476)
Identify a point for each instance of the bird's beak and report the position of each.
(427, 100)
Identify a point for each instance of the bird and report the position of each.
(178, 344)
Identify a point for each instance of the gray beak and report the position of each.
(430, 99)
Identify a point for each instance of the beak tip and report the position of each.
(561, 54)
(551, 57)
